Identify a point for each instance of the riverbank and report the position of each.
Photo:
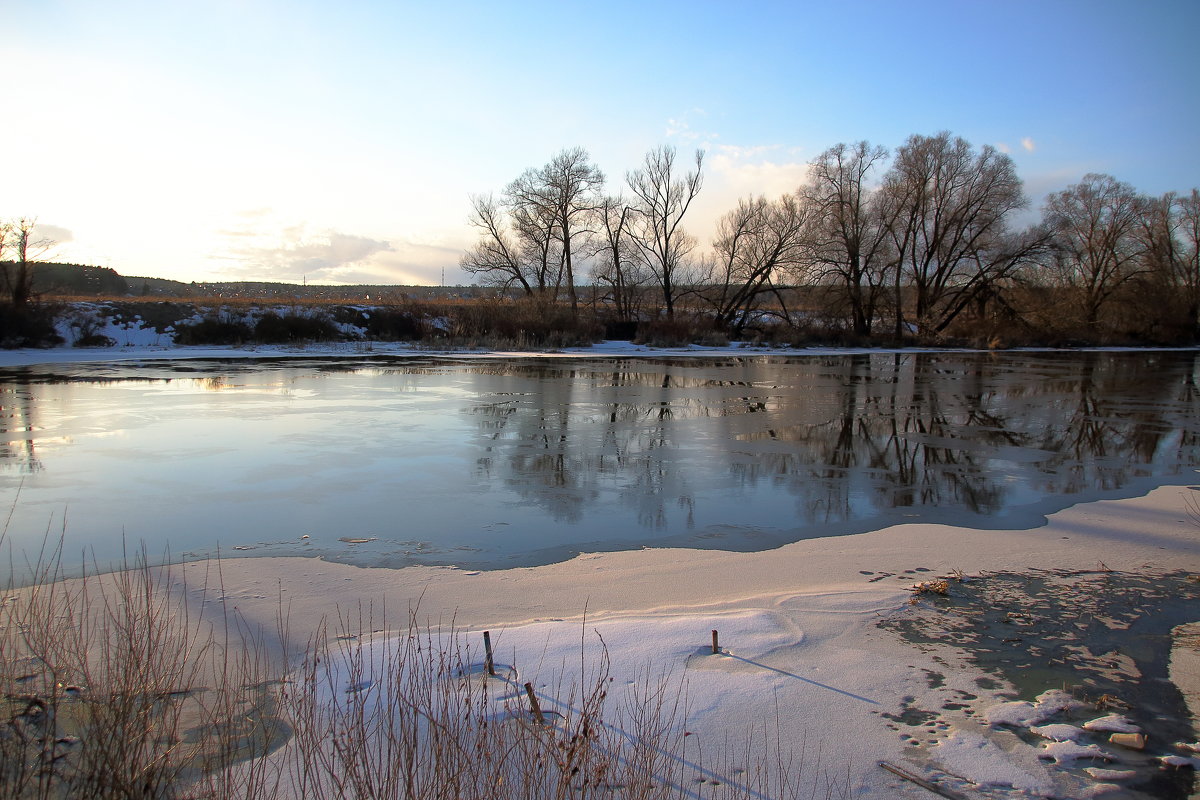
(803, 653)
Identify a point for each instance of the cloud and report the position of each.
(1028, 144)
(52, 233)
(681, 128)
(733, 172)
(295, 253)
(1003, 147)
(262, 246)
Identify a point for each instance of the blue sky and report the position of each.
(340, 141)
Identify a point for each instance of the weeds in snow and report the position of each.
(115, 686)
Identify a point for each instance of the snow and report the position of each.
(1111, 723)
(1022, 714)
(1059, 732)
(1067, 752)
(983, 762)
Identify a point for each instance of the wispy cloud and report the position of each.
(1028, 144)
(294, 252)
(681, 127)
(52, 233)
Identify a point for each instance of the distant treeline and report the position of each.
(926, 242)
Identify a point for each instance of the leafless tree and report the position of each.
(662, 196)
(557, 200)
(1096, 238)
(850, 243)
(947, 207)
(18, 238)
(497, 257)
(1170, 236)
(755, 241)
(516, 247)
(617, 265)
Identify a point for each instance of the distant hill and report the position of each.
(76, 279)
(79, 280)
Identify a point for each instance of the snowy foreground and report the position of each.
(803, 659)
(802, 656)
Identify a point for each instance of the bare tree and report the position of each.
(1170, 235)
(662, 198)
(1187, 264)
(565, 192)
(18, 236)
(755, 241)
(497, 257)
(1096, 238)
(947, 208)
(851, 246)
(617, 264)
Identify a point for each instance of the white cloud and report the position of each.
(733, 172)
(294, 253)
(1028, 144)
(1003, 147)
(52, 233)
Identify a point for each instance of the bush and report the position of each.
(383, 324)
(27, 326)
(273, 328)
(214, 330)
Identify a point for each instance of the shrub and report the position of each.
(273, 328)
(214, 330)
(27, 326)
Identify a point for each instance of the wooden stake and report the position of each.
(533, 703)
(488, 661)
(716, 647)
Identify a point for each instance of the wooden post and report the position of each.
(488, 661)
(716, 647)
(533, 703)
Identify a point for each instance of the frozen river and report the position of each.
(489, 463)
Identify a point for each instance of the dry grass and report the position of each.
(118, 686)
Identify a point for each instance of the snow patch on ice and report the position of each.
(1111, 723)
(984, 763)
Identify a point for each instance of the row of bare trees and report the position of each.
(911, 240)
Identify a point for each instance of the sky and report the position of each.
(341, 142)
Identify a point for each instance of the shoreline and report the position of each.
(1150, 531)
(803, 657)
(799, 622)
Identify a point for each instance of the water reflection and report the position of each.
(850, 437)
(492, 462)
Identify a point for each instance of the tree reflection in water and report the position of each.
(514, 461)
(850, 437)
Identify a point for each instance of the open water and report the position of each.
(499, 462)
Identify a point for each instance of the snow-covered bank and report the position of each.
(801, 647)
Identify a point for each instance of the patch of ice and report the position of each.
(1180, 762)
(1103, 774)
(1111, 723)
(1066, 752)
(1056, 701)
(983, 762)
(1017, 713)
(1100, 790)
(1022, 714)
(1059, 732)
